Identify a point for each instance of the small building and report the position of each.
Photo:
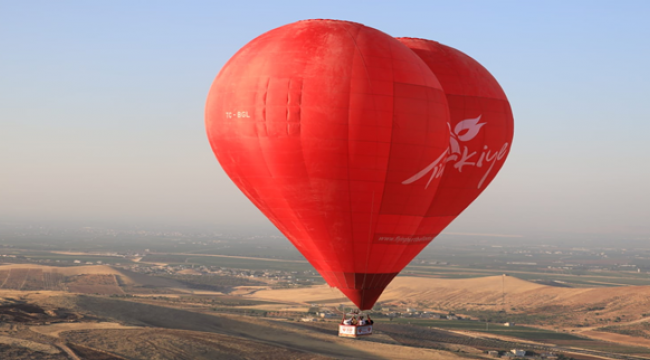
(518, 352)
(429, 315)
(508, 324)
(326, 315)
(493, 353)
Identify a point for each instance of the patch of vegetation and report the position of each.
(88, 353)
(166, 259)
(641, 329)
(520, 332)
(605, 346)
(252, 264)
(501, 317)
(67, 260)
(222, 283)
(211, 300)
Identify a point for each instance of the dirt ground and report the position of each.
(68, 271)
(30, 345)
(160, 344)
(56, 329)
(143, 331)
(261, 331)
(617, 338)
(112, 328)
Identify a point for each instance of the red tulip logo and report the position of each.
(465, 130)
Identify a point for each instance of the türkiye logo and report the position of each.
(460, 154)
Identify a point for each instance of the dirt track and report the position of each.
(617, 338)
(56, 329)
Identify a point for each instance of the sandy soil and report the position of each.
(617, 338)
(36, 296)
(31, 345)
(485, 290)
(189, 272)
(56, 329)
(314, 294)
(68, 271)
(161, 344)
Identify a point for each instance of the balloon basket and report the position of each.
(354, 331)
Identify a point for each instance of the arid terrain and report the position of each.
(102, 312)
(563, 308)
(35, 325)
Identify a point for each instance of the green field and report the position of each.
(69, 259)
(605, 346)
(231, 262)
(589, 279)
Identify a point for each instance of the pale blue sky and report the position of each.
(101, 107)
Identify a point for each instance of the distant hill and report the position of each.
(573, 307)
(67, 270)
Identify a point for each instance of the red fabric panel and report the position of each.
(481, 128)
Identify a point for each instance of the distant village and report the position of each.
(289, 277)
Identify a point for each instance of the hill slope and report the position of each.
(567, 305)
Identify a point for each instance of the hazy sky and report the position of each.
(101, 107)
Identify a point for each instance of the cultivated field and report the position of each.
(82, 279)
(95, 284)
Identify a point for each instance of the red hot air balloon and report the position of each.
(481, 130)
(319, 123)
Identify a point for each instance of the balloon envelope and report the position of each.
(319, 123)
(481, 125)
